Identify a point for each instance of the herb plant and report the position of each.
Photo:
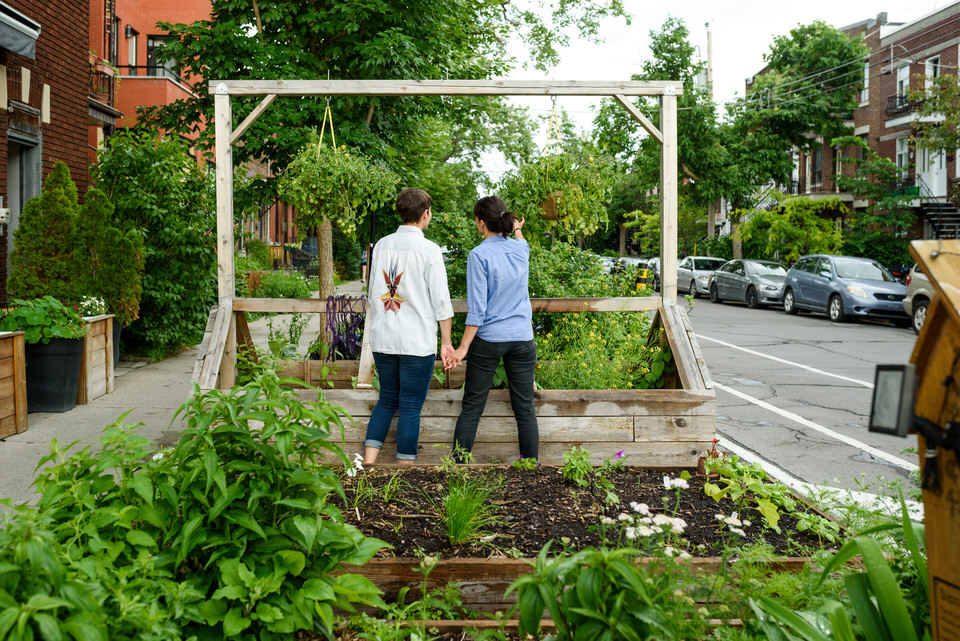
(42, 320)
(576, 466)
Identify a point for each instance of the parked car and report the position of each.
(843, 287)
(754, 282)
(654, 264)
(693, 273)
(919, 293)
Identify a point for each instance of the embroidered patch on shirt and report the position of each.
(391, 300)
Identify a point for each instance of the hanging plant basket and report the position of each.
(549, 206)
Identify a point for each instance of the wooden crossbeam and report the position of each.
(251, 117)
(295, 87)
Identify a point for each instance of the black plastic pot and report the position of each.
(53, 373)
(117, 328)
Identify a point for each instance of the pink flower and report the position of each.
(619, 455)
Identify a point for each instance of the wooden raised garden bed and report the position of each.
(13, 385)
(669, 427)
(96, 373)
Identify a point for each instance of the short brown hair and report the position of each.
(411, 203)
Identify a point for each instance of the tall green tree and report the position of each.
(41, 263)
(797, 226)
(160, 194)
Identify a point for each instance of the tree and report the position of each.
(161, 195)
(938, 109)
(881, 231)
(794, 228)
(364, 40)
(41, 262)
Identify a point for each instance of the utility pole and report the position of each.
(713, 207)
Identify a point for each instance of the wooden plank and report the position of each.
(668, 198)
(8, 386)
(697, 354)
(683, 357)
(82, 397)
(639, 117)
(96, 328)
(648, 429)
(108, 350)
(7, 366)
(6, 347)
(8, 426)
(20, 396)
(252, 117)
(217, 346)
(615, 429)
(225, 350)
(96, 387)
(204, 344)
(683, 454)
(316, 306)
(443, 87)
(8, 407)
(245, 346)
(365, 367)
(659, 402)
(98, 358)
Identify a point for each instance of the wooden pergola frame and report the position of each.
(218, 355)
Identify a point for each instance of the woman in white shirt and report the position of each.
(408, 299)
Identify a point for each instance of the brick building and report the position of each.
(902, 56)
(44, 108)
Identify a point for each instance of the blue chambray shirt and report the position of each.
(498, 302)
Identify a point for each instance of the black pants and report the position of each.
(519, 361)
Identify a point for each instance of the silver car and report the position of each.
(693, 273)
(919, 293)
(754, 282)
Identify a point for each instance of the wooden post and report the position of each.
(225, 269)
(935, 359)
(668, 196)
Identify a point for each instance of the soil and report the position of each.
(537, 506)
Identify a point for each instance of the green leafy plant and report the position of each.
(525, 464)
(576, 466)
(466, 510)
(327, 183)
(43, 319)
(283, 340)
(747, 486)
(598, 594)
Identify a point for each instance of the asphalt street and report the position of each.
(795, 391)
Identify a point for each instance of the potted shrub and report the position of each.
(54, 350)
(568, 192)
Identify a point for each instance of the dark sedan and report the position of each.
(754, 282)
(844, 287)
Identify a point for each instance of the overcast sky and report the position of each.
(742, 33)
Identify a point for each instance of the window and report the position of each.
(865, 92)
(903, 148)
(160, 66)
(132, 54)
(932, 69)
(823, 265)
(903, 85)
(816, 167)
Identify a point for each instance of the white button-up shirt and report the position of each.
(408, 294)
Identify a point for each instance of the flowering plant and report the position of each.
(43, 319)
(92, 306)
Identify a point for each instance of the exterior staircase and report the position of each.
(943, 216)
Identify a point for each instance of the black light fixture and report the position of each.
(129, 31)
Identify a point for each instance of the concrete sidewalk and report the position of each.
(151, 392)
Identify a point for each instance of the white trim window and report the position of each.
(865, 91)
(903, 157)
(931, 71)
(903, 85)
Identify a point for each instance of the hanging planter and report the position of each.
(569, 192)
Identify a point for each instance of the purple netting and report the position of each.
(345, 327)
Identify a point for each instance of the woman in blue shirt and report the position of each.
(499, 325)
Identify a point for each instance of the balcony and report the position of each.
(899, 104)
(103, 83)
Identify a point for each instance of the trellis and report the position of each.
(217, 359)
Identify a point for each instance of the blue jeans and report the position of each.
(404, 381)
(519, 361)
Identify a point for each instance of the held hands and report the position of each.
(452, 357)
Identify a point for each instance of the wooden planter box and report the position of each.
(13, 385)
(96, 373)
(670, 427)
(483, 582)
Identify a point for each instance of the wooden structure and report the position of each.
(669, 427)
(13, 385)
(96, 372)
(936, 357)
(218, 356)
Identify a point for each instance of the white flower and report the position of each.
(630, 533)
(623, 516)
(356, 467)
(640, 508)
(732, 520)
(684, 555)
(607, 521)
(643, 530)
(158, 456)
(669, 551)
(669, 483)
(747, 523)
(737, 530)
(662, 519)
(719, 517)
(646, 520)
